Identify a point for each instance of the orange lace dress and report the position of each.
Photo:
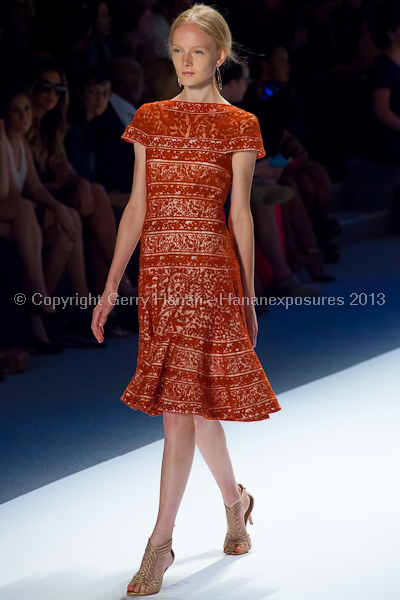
(195, 355)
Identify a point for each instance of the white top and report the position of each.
(18, 176)
(124, 109)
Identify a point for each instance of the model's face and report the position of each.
(48, 91)
(195, 56)
(19, 115)
(95, 97)
(104, 20)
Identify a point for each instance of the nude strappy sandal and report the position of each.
(145, 575)
(235, 535)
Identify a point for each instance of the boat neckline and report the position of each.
(199, 103)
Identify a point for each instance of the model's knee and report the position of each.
(177, 422)
(202, 424)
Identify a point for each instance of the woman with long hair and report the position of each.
(60, 225)
(50, 100)
(198, 327)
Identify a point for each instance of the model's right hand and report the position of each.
(100, 314)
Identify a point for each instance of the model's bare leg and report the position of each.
(179, 445)
(211, 441)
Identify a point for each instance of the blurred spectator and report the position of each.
(382, 142)
(160, 80)
(61, 225)
(275, 103)
(137, 29)
(330, 52)
(13, 359)
(94, 143)
(165, 12)
(127, 84)
(97, 53)
(19, 227)
(49, 91)
(17, 19)
(266, 194)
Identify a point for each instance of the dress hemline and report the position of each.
(158, 411)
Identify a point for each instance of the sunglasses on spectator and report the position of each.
(45, 86)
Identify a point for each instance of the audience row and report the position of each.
(321, 76)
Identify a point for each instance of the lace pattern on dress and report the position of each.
(195, 355)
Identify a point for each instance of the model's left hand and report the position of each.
(251, 322)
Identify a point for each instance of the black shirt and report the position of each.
(279, 111)
(382, 142)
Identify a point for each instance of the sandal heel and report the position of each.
(235, 534)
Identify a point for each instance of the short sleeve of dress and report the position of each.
(137, 130)
(248, 136)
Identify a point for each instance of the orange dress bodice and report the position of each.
(195, 355)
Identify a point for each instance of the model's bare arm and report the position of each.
(129, 232)
(241, 227)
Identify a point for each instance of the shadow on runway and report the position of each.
(209, 583)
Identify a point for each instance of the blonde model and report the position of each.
(197, 322)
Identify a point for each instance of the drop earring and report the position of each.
(219, 79)
(179, 82)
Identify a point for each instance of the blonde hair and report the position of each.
(209, 20)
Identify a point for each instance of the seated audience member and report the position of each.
(49, 93)
(19, 227)
(97, 53)
(94, 143)
(61, 225)
(236, 80)
(127, 85)
(137, 29)
(382, 139)
(165, 11)
(160, 80)
(275, 104)
(330, 53)
(13, 359)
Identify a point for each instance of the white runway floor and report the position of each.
(324, 472)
